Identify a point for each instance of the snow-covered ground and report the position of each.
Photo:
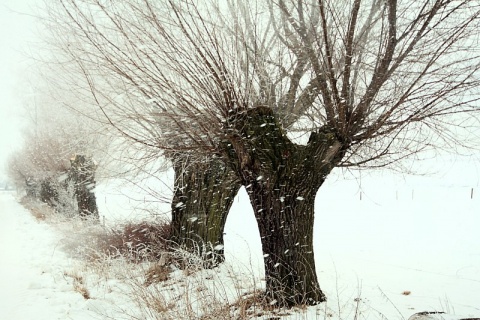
(385, 246)
(33, 284)
(403, 247)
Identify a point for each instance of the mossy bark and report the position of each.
(204, 192)
(282, 179)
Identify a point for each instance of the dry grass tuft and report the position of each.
(143, 241)
(250, 305)
(157, 273)
(80, 288)
(39, 215)
(78, 284)
(38, 209)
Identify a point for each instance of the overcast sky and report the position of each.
(16, 31)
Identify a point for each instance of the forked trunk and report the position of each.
(285, 214)
(282, 178)
(203, 195)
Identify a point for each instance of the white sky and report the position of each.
(16, 31)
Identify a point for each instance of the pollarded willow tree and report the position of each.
(112, 46)
(367, 82)
(42, 165)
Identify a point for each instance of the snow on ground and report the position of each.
(32, 280)
(386, 246)
(398, 256)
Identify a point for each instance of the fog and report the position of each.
(16, 34)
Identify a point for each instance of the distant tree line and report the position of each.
(55, 163)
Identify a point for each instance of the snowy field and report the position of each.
(386, 247)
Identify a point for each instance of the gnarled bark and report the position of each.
(285, 215)
(282, 179)
(204, 192)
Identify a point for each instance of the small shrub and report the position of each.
(136, 241)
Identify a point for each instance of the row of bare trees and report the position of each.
(41, 169)
(272, 95)
(51, 166)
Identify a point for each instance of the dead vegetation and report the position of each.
(161, 281)
(38, 209)
(78, 283)
(135, 241)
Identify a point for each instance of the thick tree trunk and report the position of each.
(82, 173)
(204, 192)
(285, 215)
(282, 179)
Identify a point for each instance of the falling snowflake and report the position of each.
(218, 247)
